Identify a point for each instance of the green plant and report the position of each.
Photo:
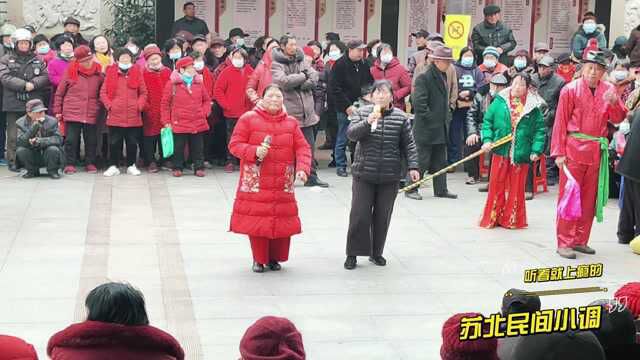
(132, 18)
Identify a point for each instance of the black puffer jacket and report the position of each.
(379, 153)
(475, 115)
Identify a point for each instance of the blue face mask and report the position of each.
(467, 61)
(175, 55)
(589, 27)
(520, 63)
(44, 49)
(124, 67)
(188, 79)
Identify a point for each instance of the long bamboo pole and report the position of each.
(496, 144)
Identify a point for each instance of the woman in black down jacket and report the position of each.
(383, 136)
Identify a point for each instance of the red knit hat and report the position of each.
(629, 294)
(272, 338)
(308, 51)
(454, 349)
(184, 62)
(82, 53)
(151, 50)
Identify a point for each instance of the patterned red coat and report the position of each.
(155, 82)
(265, 203)
(186, 109)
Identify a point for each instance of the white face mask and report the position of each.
(374, 52)
(386, 58)
(240, 42)
(237, 62)
(324, 44)
(624, 127)
(198, 65)
(125, 66)
(334, 55)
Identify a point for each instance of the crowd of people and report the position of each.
(69, 102)
(118, 327)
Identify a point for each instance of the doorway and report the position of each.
(389, 23)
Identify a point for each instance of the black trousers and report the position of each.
(151, 145)
(371, 209)
(310, 135)
(119, 136)
(629, 218)
(33, 159)
(433, 158)
(72, 142)
(231, 124)
(196, 148)
(472, 167)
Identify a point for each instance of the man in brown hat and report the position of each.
(71, 28)
(39, 141)
(433, 115)
(579, 144)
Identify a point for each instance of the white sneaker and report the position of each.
(112, 171)
(133, 170)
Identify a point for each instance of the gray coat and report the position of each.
(47, 132)
(379, 154)
(298, 81)
(15, 71)
(549, 90)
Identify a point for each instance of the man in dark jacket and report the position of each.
(39, 141)
(629, 218)
(71, 28)
(349, 74)
(549, 85)
(433, 115)
(24, 77)
(6, 48)
(493, 32)
(190, 22)
(297, 80)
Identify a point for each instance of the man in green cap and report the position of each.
(579, 145)
(493, 32)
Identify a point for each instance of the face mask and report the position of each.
(9, 45)
(240, 42)
(324, 44)
(624, 127)
(374, 52)
(237, 62)
(520, 63)
(199, 65)
(620, 75)
(467, 61)
(155, 67)
(589, 27)
(66, 56)
(124, 67)
(188, 79)
(490, 64)
(44, 49)
(133, 49)
(175, 55)
(386, 58)
(492, 93)
(334, 55)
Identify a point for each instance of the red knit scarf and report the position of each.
(111, 80)
(76, 69)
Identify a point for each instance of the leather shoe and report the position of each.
(528, 196)
(350, 263)
(13, 168)
(257, 267)
(584, 249)
(274, 266)
(54, 175)
(315, 181)
(413, 195)
(378, 260)
(332, 164)
(29, 175)
(448, 195)
(623, 241)
(342, 172)
(484, 188)
(567, 253)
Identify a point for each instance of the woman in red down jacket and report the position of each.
(185, 107)
(124, 95)
(13, 348)
(156, 76)
(388, 67)
(117, 327)
(229, 92)
(265, 206)
(77, 103)
(261, 76)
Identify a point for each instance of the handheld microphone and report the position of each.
(376, 109)
(266, 143)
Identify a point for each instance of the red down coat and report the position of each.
(155, 82)
(79, 101)
(94, 340)
(230, 91)
(265, 204)
(129, 96)
(13, 348)
(188, 108)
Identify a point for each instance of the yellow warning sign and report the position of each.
(456, 34)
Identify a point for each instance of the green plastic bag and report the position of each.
(166, 138)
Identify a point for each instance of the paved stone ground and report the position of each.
(169, 238)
